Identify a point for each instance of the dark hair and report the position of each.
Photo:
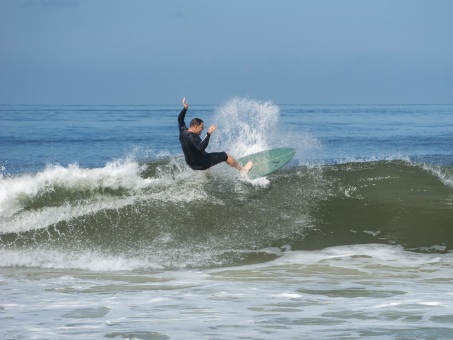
(195, 122)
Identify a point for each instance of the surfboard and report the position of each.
(266, 162)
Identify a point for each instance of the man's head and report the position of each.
(196, 126)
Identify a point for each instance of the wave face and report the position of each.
(161, 214)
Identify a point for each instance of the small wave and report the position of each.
(115, 175)
(56, 194)
(374, 158)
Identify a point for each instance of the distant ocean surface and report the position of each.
(106, 233)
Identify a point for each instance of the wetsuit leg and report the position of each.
(214, 158)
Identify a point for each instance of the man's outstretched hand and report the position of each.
(186, 106)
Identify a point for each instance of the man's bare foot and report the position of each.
(246, 168)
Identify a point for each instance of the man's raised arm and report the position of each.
(182, 114)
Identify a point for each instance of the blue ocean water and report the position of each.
(34, 136)
(106, 233)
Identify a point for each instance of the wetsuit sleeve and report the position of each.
(202, 144)
(182, 115)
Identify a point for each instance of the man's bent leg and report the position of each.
(233, 163)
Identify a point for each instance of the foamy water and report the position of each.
(341, 292)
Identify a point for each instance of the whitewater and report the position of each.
(106, 233)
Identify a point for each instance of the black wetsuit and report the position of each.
(194, 148)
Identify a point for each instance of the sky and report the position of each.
(152, 52)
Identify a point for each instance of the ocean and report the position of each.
(105, 233)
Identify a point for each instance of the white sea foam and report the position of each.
(444, 175)
(114, 175)
(350, 291)
(353, 255)
(375, 158)
(16, 191)
(64, 259)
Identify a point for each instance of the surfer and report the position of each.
(194, 147)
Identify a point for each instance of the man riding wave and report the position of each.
(194, 147)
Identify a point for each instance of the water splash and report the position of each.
(245, 126)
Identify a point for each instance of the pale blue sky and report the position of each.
(286, 51)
